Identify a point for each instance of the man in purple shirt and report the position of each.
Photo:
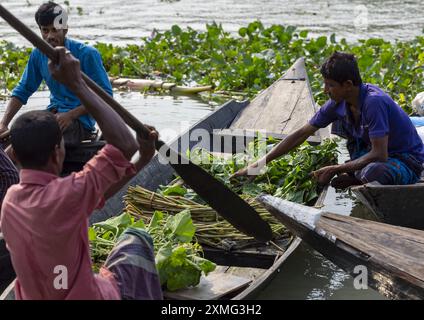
(383, 144)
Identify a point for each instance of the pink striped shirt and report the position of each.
(44, 220)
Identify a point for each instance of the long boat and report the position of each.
(280, 109)
(401, 205)
(389, 259)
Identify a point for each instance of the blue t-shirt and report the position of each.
(61, 97)
(379, 116)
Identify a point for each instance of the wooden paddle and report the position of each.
(216, 194)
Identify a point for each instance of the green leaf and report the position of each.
(176, 30)
(321, 42)
(251, 189)
(174, 190)
(115, 224)
(91, 234)
(242, 32)
(156, 218)
(139, 224)
(181, 226)
(303, 33)
(204, 264)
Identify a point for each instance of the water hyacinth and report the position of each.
(248, 62)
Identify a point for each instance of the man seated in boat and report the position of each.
(382, 142)
(44, 218)
(75, 122)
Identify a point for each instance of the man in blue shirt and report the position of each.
(383, 144)
(74, 121)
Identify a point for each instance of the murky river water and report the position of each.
(306, 275)
(125, 22)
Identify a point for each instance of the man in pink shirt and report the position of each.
(44, 218)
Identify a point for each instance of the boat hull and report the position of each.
(396, 205)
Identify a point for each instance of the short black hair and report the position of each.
(34, 136)
(45, 14)
(341, 67)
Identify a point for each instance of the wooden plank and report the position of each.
(273, 110)
(216, 285)
(398, 249)
(302, 112)
(386, 279)
(296, 71)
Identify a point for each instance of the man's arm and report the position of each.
(147, 151)
(289, 143)
(376, 115)
(113, 127)
(378, 153)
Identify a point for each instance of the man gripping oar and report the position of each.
(44, 218)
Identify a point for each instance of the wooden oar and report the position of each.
(216, 194)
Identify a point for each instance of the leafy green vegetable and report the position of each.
(287, 177)
(178, 259)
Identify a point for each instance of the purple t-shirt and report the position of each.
(380, 116)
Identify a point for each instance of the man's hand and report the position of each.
(66, 69)
(4, 134)
(147, 147)
(65, 119)
(324, 175)
(241, 172)
(3, 128)
(252, 168)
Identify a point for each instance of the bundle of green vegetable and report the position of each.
(287, 177)
(178, 259)
(211, 229)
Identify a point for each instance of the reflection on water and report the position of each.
(170, 115)
(307, 275)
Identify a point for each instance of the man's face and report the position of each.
(55, 37)
(335, 90)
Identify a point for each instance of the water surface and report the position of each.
(125, 22)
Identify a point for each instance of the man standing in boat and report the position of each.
(383, 144)
(44, 218)
(75, 122)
